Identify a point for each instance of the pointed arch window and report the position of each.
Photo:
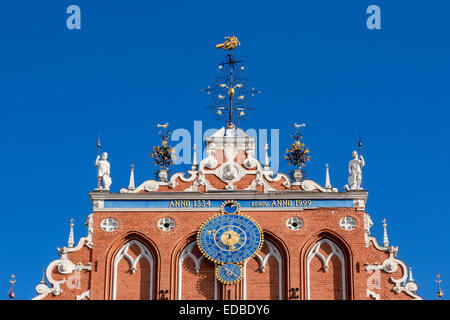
(272, 252)
(186, 254)
(325, 250)
(139, 252)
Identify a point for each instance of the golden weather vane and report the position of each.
(230, 43)
(231, 94)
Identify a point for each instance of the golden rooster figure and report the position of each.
(230, 43)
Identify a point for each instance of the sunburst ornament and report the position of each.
(297, 154)
(163, 155)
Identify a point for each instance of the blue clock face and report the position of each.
(229, 273)
(230, 238)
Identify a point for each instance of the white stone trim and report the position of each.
(65, 267)
(225, 195)
(86, 294)
(372, 294)
(390, 265)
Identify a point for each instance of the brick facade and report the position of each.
(167, 264)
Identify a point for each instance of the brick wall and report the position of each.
(293, 246)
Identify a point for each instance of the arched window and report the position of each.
(196, 275)
(325, 272)
(263, 274)
(133, 272)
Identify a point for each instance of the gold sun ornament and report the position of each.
(163, 155)
(297, 154)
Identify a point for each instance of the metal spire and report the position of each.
(11, 290)
(440, 293)
(98, 145)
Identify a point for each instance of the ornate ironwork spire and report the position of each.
(230, 93)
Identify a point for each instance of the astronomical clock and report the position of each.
(229, 239)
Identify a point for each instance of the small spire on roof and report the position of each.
(411, 279)
(43, 276)
(194, 158)
(327, 178)
(385, 236)
(70, 242)
(266, 158)
(131, 184)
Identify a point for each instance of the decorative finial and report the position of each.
(163, 155)
(163, 125)
(70, 242)
(43, 276)
(297, 155)
(230, 93)
(385, 236)
(11, 290)
(327, 177)
(230, 43)
(194, 158)
(98, 145)
(359, 143)
(131, 184)
(440, 293)
(266, 158)
(411, 279)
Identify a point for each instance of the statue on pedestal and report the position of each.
(355, 172)
(103, 172)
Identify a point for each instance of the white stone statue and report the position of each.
(103, 172)
(355, 172)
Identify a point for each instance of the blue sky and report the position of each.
(135, 63)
